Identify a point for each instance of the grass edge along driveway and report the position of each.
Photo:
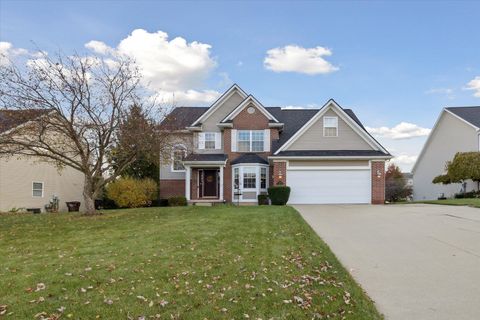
(219, 262)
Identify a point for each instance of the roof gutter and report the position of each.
(330, 157)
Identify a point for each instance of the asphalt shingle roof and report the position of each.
(12, 118)
(293, 120)
(331, 153)
(206, 157)
(469, 114)
(249, 158)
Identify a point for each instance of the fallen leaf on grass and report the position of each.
(3, 309)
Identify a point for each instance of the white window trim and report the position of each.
(258, 188)
(43, 189)
(214, 140)
(251, 141)
(336, 127)
(172, 167)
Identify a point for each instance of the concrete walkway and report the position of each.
(415, 261)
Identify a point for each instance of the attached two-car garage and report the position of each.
(329, 185)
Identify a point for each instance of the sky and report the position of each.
(396, 64)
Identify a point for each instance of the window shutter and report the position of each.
(266, 140)
(233, 140)
(218, 140)
(201, 140)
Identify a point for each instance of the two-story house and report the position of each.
(235, 149)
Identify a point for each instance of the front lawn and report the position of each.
(173, 263)
(471, 202)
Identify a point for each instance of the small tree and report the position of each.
(464, 166)
(396, 187)
(87, 102)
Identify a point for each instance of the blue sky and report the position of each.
(391, 62)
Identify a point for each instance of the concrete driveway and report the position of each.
(415, 261)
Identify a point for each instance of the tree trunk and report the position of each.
(89, 197)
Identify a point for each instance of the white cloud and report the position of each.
(8, 52)
(293, 58)
(168, 66)
(404, 161)
(403, 130)
(474, 85)
(448, 92)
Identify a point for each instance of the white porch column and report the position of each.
(188, 173)
(221, 182)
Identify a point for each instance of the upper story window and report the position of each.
(210, 140)
(250, 140)
(178, 154)
(330, 126)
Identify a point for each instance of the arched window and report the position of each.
(179, 153)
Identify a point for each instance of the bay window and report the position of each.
(249, 180)
(263, 178)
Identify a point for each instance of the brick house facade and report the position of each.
(240, 148)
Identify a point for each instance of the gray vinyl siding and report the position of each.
(450, 136)
(313, 138)
(166, 172)
(210, 124)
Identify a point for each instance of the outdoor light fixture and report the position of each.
(379, 173)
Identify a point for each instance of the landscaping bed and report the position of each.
(173, 263)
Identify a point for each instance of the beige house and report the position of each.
(235, 149)
(27, 183)
(456, 130)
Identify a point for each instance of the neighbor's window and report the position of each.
(250, 140)
(249, 178)
(37, 189)
(209, 140)
(179, 153)
(263, 178)
(330, 126)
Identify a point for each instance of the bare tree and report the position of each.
(86, 103)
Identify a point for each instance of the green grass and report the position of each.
(174, 263)
(471, 202)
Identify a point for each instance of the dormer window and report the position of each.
(330, 126)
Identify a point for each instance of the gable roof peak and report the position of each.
(214, 106)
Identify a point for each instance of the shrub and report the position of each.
(177, 201)
(466, 195)
(132, 193)
(262, 199)
(160, 203)
(279, 195)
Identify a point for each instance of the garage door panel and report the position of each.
(329, 186)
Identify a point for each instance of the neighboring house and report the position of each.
(235, 149)
(26, 182)
(456, 130)
(408, 176)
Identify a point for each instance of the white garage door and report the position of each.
(329, 186)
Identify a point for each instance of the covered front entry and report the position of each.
(208, 183)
